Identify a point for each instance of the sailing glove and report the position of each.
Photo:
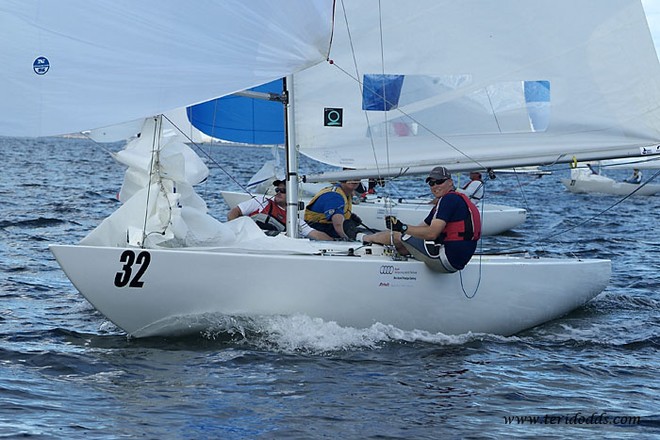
(394, 224)
(356, 219)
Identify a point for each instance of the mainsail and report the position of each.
(525, 83)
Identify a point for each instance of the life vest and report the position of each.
(463, 230)
(319, 217)
(271, 217)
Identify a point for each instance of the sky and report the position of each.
(652, 9)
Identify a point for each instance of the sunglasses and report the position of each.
(434, 182)
(280, 190)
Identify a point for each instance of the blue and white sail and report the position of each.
(525, 83)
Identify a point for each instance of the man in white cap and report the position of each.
(447, 238)
(474, 189)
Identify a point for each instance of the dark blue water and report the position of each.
(65, 372)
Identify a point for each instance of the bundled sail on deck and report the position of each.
(423, 87)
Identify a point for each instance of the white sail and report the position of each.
(78, 65)
(481, 83)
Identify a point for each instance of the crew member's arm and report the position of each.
(427, 232)
(234, 212)
(338, 224)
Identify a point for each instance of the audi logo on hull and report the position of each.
(386, 270)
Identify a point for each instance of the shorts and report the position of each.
(429, 252)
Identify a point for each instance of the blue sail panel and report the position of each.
(381, 92)
(537, 91)
(537, 97)
(242, 119)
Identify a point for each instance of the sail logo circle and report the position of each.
(41, 65)
(386, 270)
(333, 117)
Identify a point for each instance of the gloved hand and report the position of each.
(394, 224)
(356, 219)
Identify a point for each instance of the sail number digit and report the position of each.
(128, 258)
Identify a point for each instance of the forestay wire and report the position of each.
(211, 159)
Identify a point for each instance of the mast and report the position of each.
(291, 160)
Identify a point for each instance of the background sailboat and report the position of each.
(586, 180)
(168, 270)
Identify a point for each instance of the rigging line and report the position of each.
(382, 71)
(490, 101)
(360, 88)
(87, 136)
(481, 248)
(476, 289)
(388, 201)
(641, 185)
(521, 188)
(357, 75)
(154, 153)
(211, 159)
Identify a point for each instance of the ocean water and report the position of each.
(66, 372)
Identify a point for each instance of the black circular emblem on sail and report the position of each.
(333, 117)
(41, 65)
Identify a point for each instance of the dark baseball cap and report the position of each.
(438, 173)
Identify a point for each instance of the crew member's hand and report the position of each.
(394, 224)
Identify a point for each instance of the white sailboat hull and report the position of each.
(183, 291)
(496, 219)
(605, 185)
